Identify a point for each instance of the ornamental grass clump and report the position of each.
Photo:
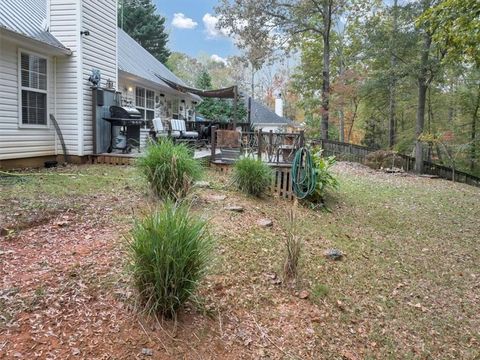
(170, 169)
(170, 250)
(252, 176)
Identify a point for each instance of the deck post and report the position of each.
(270, 140)
(235, 107)
(302, 138)
(260, 136)
(214, 142)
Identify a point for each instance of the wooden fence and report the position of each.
(281, 181)
(112, 159)
(357, 153)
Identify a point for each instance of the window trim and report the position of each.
(20, 88)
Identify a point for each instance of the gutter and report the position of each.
(19, 36)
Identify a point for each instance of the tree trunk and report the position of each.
(253, 83)
(341, 113)
(393, 82)
(422, 96)
(341, 116)
(327, 17)
(473, 135)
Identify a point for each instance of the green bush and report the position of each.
(252, 176)
(325, 180)
(170, 250)
(170, 169)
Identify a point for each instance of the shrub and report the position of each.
(170, 250)
(170, 169)
(384, 159)
(252, 176)
(324, 179)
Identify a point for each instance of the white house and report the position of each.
(48, 49)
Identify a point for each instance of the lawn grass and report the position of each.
(34, 197)
(407, 288)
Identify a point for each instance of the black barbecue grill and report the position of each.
(129, 120)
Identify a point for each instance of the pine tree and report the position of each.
(140, 20)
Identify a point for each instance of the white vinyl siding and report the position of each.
(15, 141)
(64, 25)
(99, 51)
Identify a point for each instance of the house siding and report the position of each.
(64, 18)
(99, 51)
(15, 141)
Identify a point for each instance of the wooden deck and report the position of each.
(129, 159)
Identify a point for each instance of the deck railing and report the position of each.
(271, 147)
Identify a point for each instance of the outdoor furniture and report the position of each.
(180, 127)
(160, 131)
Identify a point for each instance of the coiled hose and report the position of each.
(304, 176)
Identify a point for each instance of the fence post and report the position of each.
(302, 138)
(260, 136)
(214, 142)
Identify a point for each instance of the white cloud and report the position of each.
(210, 23)
(180, 21)
(219, 59)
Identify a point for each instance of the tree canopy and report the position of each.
(139, 18)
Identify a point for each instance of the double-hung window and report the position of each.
(145, 102)
(150, 105)
(140, 100)
(33, 78)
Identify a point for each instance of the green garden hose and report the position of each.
(304, 176)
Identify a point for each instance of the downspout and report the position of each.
(55, 99)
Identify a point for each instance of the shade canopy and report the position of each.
(227, 93)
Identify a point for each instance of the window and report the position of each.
(175, 106)
(33, 75)
(150, 105)
(140, 97)
(145, 103)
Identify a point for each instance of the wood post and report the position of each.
(214, 142)
(302, 138)
(270, 140)
(235, 107)
(260, 137)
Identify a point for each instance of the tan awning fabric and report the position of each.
(227, 93)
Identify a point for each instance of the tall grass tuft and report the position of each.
(252, 176)
(170, 251)
(293, 245)
(170, 169)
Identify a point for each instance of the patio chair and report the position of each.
(161, 132)
(180, 127)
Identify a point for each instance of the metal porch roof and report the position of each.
(28, 18)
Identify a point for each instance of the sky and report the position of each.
(191, 28)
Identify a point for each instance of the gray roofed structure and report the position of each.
(135, 60)
(28, 18)
(262, 115)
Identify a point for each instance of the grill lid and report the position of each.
(124, 112)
